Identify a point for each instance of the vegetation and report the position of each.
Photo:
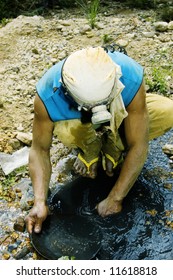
(166, 13)
(91, 9)
(11, 9)
(157, 80)
(143, 4)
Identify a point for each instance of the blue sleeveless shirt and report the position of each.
(51, 92)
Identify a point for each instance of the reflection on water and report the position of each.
(141, 230)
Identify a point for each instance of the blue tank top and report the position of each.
(51, 91)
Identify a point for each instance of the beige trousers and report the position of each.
(160, 114)
(74, 134)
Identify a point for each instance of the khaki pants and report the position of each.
(74, 134)
(160, 115)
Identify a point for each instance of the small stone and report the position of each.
(12, 247)
(152, 212)
(168, 186)
(19, 224)
(84, 29)
(20, 255)
(122, 42)
(168, 149)
(171, 163)
(14, 143)
(150, 34)
(6, 256)
(14, 235)
(24, 137)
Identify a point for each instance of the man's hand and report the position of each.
(36, 217)
(109, 206)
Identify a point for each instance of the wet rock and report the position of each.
(168, 186)
(19, 224)
(6, 256)
(168, 149)
(22, 253)
(171, 163)
(12, 247)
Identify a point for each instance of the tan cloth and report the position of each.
(74, 134)
(91, 77)
(160, 114)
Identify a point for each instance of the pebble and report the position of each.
(19, 224)
(168, 149)
(22, 253)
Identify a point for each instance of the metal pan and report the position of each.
(74, 236)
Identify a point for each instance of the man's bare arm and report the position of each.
(136, 132)
(39, 165)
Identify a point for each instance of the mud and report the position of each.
(144, 228)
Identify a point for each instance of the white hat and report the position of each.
(90, 76)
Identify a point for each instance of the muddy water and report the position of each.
(142, 230)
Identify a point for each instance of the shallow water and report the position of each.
(142, 230)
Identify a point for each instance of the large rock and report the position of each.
(170, 25)
(161, 26)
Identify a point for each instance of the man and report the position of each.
(95, 101)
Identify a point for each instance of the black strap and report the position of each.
(114, 47)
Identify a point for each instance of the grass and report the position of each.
(157, 80)
(91, 9)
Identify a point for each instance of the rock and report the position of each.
(84, 29)
(62, 55)
(150, 34)
(161, 26)
(168, 149)
(1, 103)
(27, 199)
(170, 25)
(25, 138)
(22, 253)
(14, 143)
(19, 224)
(20, 127)
(122, 42)
(171, 163)
(67, 22)
(164, 38)
(6, 256)
(12, 247)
